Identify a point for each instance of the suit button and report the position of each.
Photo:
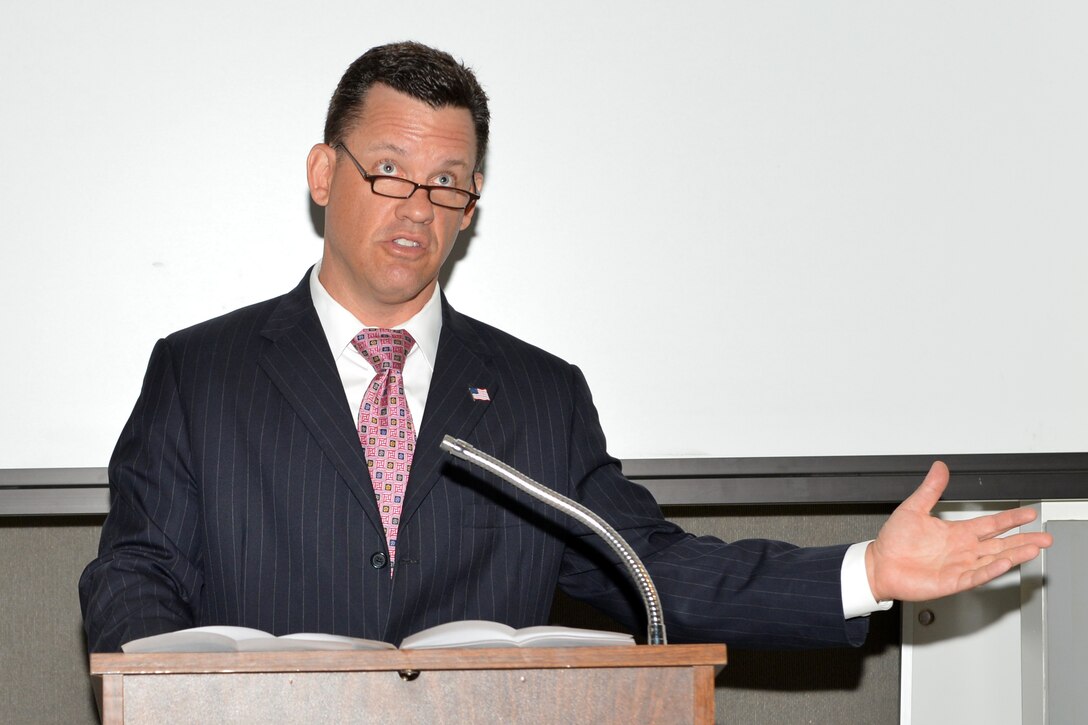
(379, 560)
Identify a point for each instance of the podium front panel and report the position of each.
(579, 685)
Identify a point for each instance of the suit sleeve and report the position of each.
(147, 577)
(751, 594)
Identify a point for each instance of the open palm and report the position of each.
(918, 556)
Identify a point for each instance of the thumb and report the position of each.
(926, 496)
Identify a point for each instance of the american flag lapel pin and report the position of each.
(479, 394)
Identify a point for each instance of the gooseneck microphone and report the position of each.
(655, 623)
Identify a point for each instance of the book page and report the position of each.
(474, 633)
(196, 639)
(218, 638)
(552, 636)
(467, 633)
(320, 641)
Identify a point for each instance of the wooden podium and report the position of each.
(672, 683)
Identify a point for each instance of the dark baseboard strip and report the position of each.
(859, 479)
(694, 481)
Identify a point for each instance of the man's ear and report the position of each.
(320, 165)
(478, 184)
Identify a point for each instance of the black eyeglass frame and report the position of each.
(372, 178)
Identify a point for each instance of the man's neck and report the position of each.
(376, 314)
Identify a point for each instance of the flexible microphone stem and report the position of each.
(655, 623)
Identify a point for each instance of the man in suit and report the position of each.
(243, 486)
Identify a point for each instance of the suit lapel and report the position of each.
(300, 364)
(462, 362)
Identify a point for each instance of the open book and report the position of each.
(469, 633)
(244, 639)
(478, 633)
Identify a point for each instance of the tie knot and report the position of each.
(384, 349)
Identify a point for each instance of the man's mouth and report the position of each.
(402, 242)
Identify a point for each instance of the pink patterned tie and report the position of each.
(385, 425)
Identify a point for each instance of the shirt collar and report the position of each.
(341, 326)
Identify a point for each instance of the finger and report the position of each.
(1011, 546)
(991, 567)
(1021, 554)
(926, 496)
(981, 575)
(1026, 548)
(985, 527)
(992, 547)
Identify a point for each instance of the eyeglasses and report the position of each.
(395, 187)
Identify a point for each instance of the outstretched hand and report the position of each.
(918, 556)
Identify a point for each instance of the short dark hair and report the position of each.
(422, 72)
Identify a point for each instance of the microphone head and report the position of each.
(453, 446)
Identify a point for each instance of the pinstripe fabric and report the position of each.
(240, 496)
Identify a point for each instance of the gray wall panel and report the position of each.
(43, 654)
(45, 666)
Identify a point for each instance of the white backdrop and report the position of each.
(856, 228)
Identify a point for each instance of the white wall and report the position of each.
(859, 227)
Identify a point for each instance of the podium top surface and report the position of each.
(677, 655)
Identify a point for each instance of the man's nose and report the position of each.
(417, 207)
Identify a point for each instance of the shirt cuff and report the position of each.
(857, 597)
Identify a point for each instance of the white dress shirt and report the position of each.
(425, 327)
(356, 373)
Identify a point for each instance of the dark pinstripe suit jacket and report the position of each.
(240, 496)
